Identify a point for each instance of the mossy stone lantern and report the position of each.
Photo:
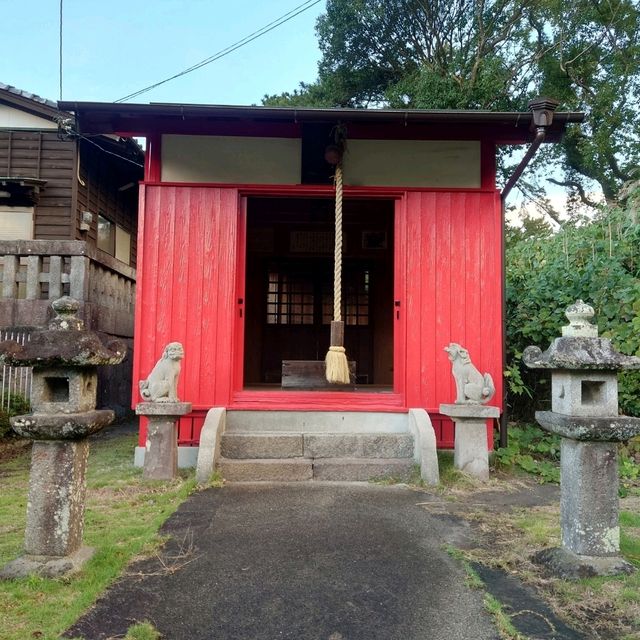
(64, 358)
(584, 413)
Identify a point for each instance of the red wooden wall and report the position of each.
(448, 282)
(453, 290)
(188, 239)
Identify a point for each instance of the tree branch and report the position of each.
(573, 184)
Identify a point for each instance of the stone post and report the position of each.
(470, 413)
(471, 451)
(584, 403)
(64, 359)
(161, 449)
(163, 408)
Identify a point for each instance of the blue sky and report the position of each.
(115, 47)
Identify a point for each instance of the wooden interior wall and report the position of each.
(452, 257)
(42, 155)
(103, 176)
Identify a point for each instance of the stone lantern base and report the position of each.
(57, 487)
(562, 563)
(46, 566)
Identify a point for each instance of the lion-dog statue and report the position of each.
(471, 386)
(162, 383)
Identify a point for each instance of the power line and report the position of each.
(60, 57)
(296, 11)
(111, 153)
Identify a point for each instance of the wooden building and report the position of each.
(235, 249)
(68, 223)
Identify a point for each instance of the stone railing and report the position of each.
(34, 272)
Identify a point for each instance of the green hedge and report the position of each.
(597, 260)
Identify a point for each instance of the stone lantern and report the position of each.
(584, 412)
(64, 358)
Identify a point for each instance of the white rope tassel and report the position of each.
(337, 365)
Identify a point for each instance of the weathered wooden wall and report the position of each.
(101, 178)
(42, 155)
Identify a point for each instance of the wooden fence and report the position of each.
(34, 272)
(14, 381)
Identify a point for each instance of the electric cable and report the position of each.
(296, 11)
(111, 153)
(60, 56)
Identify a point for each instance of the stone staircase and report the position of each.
(286, 446)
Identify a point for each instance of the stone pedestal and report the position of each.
(589, 506)
(589, 497)
(471, 453)
(55, 507)
(161, 449)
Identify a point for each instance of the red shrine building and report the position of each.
(236, 242)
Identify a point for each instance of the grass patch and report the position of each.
(123, 515)
(142, 631)
(608, 606)
(502, 621)
(450, 477)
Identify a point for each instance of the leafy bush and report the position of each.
(629, 467)
(596, 260)
(532, 450)
(537, 452)
(17, 406)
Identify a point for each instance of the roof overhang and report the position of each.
(28, 102)
(159, 118)
(19, 191)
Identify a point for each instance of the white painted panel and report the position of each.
(16, 223)
(11, 118)
(231, 159)
(412, 163)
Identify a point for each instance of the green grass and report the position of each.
(502, 621)
(142, 631)
(492, 605)
(616, 599)
(122, 519)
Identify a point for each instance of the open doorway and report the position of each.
(289, 287)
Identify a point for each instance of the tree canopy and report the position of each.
(493, 54)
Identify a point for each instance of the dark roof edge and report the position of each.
(311, 114)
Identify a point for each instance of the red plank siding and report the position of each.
(186, 272)
(191, 265)
(453, 292)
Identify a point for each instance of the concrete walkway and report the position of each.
(299, 561)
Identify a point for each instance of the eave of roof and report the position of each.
(29, 102)
(145, 119)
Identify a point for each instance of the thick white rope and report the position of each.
(337, 258)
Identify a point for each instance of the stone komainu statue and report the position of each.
(162, 383)
(471, 386)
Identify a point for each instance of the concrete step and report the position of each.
(275, 470)
(328, 469)
(316, 421)
(239, 445)
(362, 469)
(358, 445)
(262, 445)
